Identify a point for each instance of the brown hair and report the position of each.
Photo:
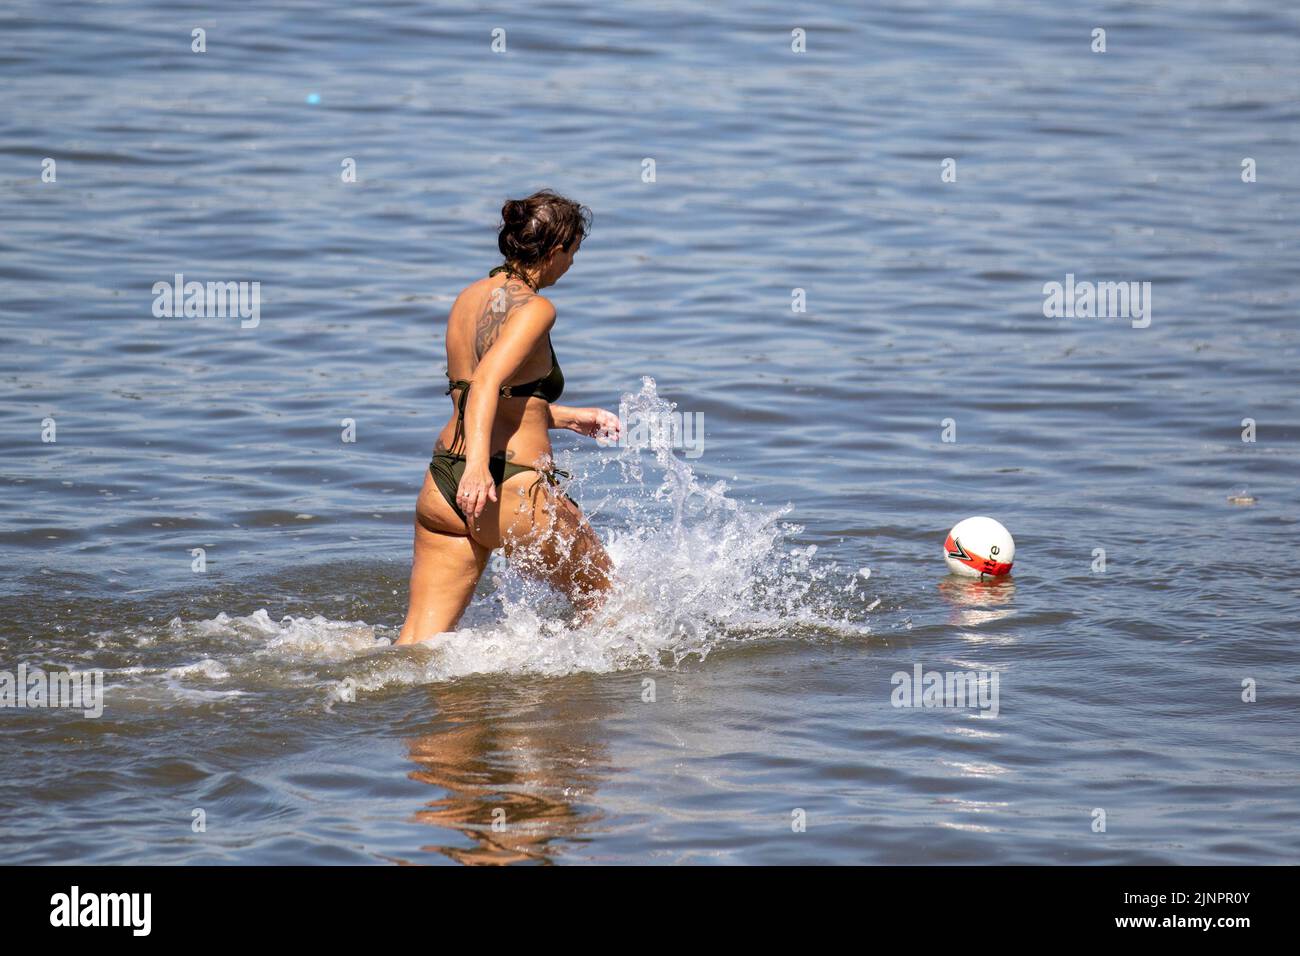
(532, 227)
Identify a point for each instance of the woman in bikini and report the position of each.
(491, 483)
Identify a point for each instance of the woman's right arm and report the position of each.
(593, 422)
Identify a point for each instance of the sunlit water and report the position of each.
(772, 582)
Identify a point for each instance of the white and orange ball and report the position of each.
(979, 548)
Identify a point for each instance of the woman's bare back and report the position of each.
(473, 326)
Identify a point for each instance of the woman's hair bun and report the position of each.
(532, 227)
(514, 211)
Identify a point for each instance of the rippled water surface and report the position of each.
(770, 587)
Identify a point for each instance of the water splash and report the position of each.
(695, 571)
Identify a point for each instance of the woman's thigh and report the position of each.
(545, 535)
(445, 570)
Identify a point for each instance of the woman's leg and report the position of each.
(445, 571)
(546, 537)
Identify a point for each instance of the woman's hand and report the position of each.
(475, 490)
(593, 422)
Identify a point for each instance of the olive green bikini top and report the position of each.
(549, 387)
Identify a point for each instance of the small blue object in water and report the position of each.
(313, 98)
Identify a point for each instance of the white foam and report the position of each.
(695, 571)
(207, 669)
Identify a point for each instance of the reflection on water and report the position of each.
(974, 602)
(516, 786)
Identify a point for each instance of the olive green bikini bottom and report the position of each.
(447, 470)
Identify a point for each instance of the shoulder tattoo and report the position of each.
(500, 302)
